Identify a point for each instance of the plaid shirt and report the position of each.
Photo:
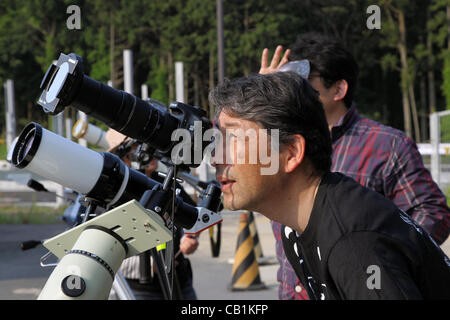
(385, 160)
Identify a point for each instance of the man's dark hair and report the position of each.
(284, 101)
(329, 58)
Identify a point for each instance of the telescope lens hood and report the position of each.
(27, 145)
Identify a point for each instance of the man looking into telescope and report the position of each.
(343, 240)
(379, 157)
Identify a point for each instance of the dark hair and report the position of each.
(329, 58)
(281, 100)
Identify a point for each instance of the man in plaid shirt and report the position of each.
(379, 157)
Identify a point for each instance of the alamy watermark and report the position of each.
(374, 280)
(74, 279)
(374, 20)
(73, 22)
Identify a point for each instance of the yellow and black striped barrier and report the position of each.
(245, 272)
(215, 239)
(254, 233)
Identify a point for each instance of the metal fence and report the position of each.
(439, 148)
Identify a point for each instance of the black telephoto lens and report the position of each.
(65, 84)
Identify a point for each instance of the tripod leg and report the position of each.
(162, 274)
(170, 292)
(144, 268)
(122, 288)
(178, 295)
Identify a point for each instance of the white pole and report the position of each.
(144, 91)
(179, 82)
(69, 128)
(435, 141)
(58, 124)
(10, 113)
(128, 70)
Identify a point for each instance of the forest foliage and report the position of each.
(404, 65)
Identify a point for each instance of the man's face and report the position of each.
(243, 185)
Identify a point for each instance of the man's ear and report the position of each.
(293, 153)
(341, 88)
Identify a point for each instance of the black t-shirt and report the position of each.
(359, 245)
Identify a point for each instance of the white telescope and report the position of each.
(102, 177)
(91, 253)
(91, 133)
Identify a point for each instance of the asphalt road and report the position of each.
(21, 276)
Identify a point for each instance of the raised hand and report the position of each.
(276, 63)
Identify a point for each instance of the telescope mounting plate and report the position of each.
(142, 229)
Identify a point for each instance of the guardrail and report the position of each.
(427, 149)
